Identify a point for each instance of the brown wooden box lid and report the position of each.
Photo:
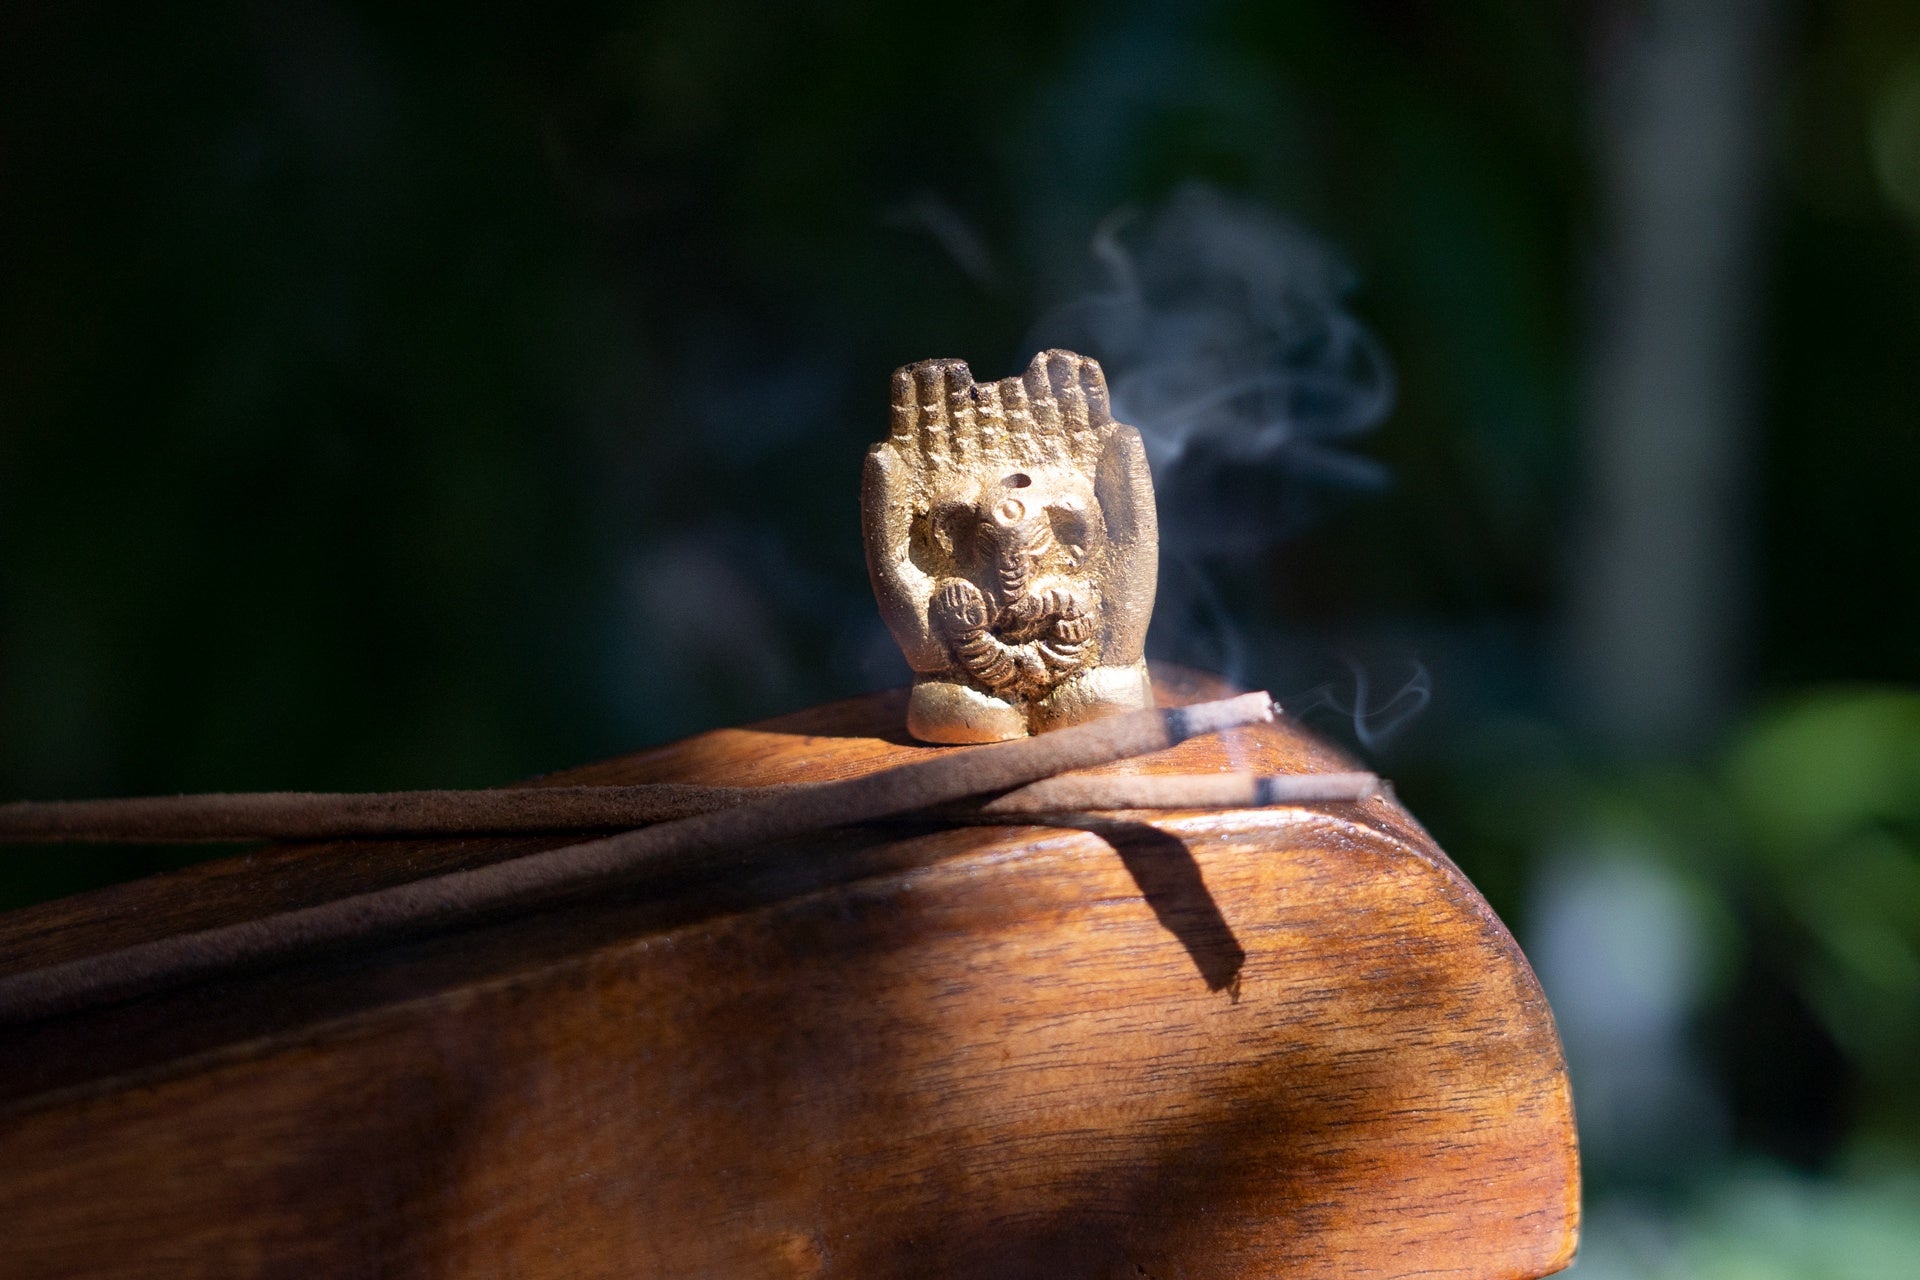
(1267, 1042)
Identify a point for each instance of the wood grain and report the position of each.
(1270, 1042)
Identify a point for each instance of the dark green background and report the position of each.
(436, 395)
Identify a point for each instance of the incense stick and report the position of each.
(666, 848)
(301, 815)
(318, 815)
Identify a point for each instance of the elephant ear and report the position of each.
(1072, 530)
(1124, 485)
(953, 534)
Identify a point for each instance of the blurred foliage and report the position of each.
(1762, 1225)
(1796, 850)
(1825, 859)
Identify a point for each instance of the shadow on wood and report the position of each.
(1170, 881)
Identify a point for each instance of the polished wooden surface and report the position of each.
(1278, 1042)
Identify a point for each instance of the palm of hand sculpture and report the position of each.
(1013, 546)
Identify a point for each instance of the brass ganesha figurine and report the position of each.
(1014, 548)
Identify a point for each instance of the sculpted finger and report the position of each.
(1041, 403)
(957, 392)
(905, 408)
(1093, 384)
(1018, 408)
(1063, 382)
(930, 381)
(1081, 389)
(989, 420)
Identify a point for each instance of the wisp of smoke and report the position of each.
(1374, 723)
(946, 227)
(1226, 341)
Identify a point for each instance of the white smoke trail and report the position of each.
(1375, 721)
(1226, 340)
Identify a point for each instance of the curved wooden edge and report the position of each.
(1287, 1041)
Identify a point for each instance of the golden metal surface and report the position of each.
(1013, 546)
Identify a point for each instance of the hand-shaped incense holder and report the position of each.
(1013, 546)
